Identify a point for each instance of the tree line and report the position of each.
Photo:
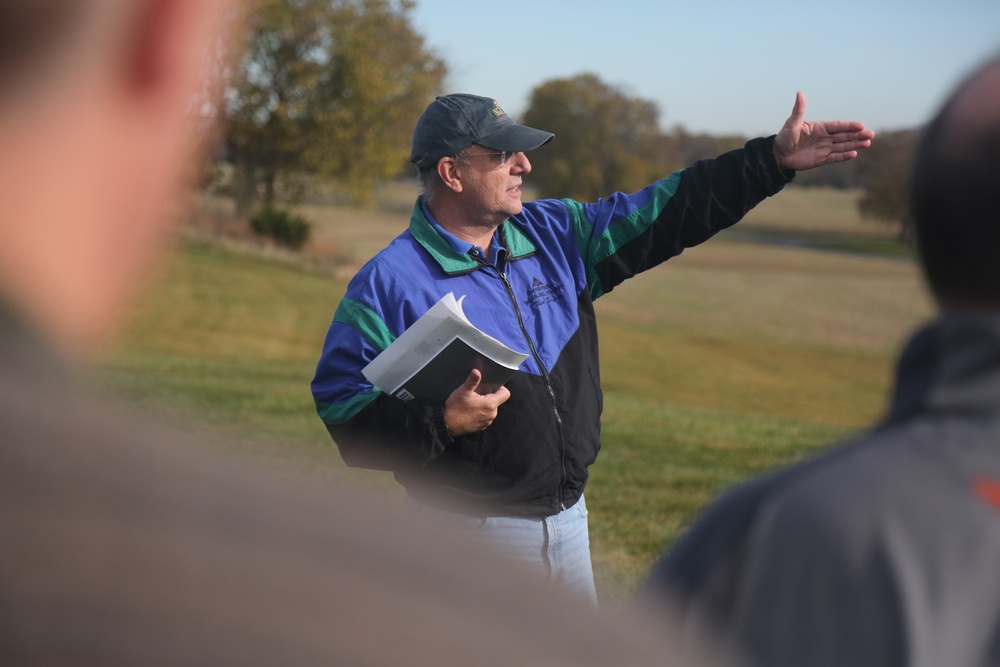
(326, 87)
(331, 89)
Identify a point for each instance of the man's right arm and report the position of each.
(389, 433)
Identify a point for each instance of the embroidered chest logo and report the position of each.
(542, 293)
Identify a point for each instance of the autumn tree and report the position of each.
(332, 87)
(884, 175)
(605, 140)
(685, 148)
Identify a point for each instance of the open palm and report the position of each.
(803, 144)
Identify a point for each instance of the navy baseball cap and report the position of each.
(453, 122)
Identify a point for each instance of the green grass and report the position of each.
(661, 463)
(729, 360)
(229, 339)
(811, 209)
(732, 359)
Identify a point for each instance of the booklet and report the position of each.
(434, 356)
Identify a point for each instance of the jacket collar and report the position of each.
(951, 365)
(512, 237)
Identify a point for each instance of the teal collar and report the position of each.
(511, 236)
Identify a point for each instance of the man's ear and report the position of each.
(448, 170)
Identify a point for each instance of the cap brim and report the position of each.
(516, 138)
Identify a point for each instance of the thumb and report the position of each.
(472, 382)
(799, 109)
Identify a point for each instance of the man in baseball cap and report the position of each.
(510, 463)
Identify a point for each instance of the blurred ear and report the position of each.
(169, 45)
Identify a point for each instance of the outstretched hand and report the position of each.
(802, 144)
(467, 411)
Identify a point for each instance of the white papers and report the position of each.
(435, 355)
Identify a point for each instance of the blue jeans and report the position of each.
(557, 546)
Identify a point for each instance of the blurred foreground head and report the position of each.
(119, 543)
(955, 194)
(98, 134)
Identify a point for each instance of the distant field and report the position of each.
(349, 235)
(815, 209)
(733, 358)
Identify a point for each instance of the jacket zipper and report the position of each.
(545, 376)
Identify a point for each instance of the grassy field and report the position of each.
(731, 359)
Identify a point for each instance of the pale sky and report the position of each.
(721, 66)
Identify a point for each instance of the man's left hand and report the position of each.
(802, 144)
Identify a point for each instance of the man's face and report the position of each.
(492, 181)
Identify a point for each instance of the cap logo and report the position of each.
(497, 111)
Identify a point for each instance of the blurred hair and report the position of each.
(32, 33)
(955, 192)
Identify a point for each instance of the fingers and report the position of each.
(462, 418)
(846, 127)
(865, 136)
(846, 142)
(839, 157)
(845, 146)
(467, 411)
(859, 139)
(501, 395)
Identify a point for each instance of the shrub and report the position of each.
(283, 227)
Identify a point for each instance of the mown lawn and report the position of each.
(731, 359)
(227, 338)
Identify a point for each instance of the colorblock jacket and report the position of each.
(537, 297)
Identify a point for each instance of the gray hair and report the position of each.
(431, 183)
